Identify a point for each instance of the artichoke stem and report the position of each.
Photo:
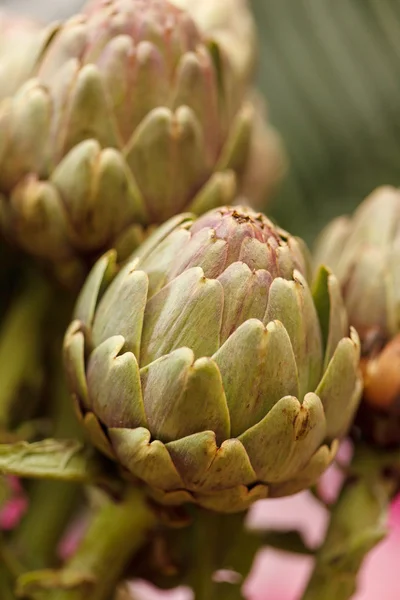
(51, 503)
(114, 535)
(20, 344)
(358, 524)
(10, 569)
(214, 537)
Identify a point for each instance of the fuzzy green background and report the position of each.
(331, 72)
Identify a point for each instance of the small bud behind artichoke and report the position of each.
(133, 117)
(364, 253)
(207, 368)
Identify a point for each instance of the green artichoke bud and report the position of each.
(206, 368)
(132, 118)
(364, 253)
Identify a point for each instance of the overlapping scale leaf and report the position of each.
(98, 193)
(197, 88)
(284, 441)
(24, 129)
(331, 311)
(203, 249)
(182, 397)
(39, 220)
(114, 386)
(100, 276)
(86, 113)
(205, 466)
(74, 353)
(245, 296)
(367, 303)
(148, 460)
(331, 243)
(309, 475)
(158, 264)
(128, 292)
(375, 220)
(126, 66)
(340, 387)
(175, 143)
(258, 368)
(186, 312)
(291, 303)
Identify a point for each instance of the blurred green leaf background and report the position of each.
(330, 70)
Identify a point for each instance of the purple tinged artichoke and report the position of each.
(207, 368)
(132, 117)
(229, 23)
(364, 252)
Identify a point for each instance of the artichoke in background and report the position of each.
(206, 368)
(132, 118)
(364, 253)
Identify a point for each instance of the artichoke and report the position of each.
(205, 367)
(132, 118)
(364, 253)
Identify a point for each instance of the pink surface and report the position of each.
(282, 576)
(14, 508)
(279, 576)
(141, 590)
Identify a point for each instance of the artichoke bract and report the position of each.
(22, 42)
(364, 252)
(206, 367)
(231, 23)
(132, 118)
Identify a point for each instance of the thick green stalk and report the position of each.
(117, 531)
(51, 506)
(206, 544)
(10, 569)
(358, 524)
(220, 541)
(6, 584)
(114, 535)
(20, 344)
(51, 503)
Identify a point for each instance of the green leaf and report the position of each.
(52, 459)
(288, 541)
(329, 73)
(46, 580)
